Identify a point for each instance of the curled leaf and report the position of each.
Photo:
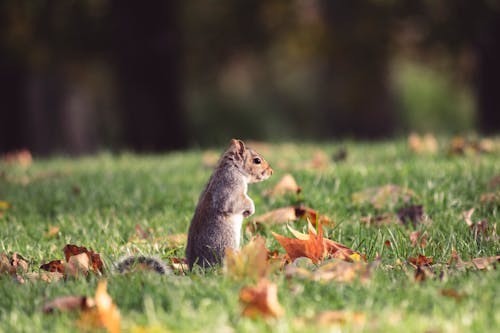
(287, 184)
(250, 262)
(261, 300)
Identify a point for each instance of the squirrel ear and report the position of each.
(238, 146)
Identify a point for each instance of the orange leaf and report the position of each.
(313, 247)
(261, 300)
(292, 213)
(108, 312)
(287, 184)
(421, 260)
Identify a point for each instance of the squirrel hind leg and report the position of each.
(142, 263)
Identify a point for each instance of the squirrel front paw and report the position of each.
(250, 209)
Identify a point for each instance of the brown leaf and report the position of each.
(421, 260)
(492, 198)
(287, 184)
(48, 277)
(422, 273)
(21, 157)
(52, 231)
(250, 262)
(261, 300)
(485, 262)
(383, 196)
(96, 263)
(78, 264)
(494, 182)
(331, 317)
(334, 270)
(426, 144)
(13, 264)
(418, 239)
(54, 266)
(480, 228)
(320, 160)
(292, 213)
(379, 220)
(68, 303)
(453, 294)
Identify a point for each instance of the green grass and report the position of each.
(97, 201)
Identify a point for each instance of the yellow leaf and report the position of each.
(250, 262)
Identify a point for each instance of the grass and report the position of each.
(98, 201)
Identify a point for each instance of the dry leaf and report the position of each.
(21, 157)
(48, 277)
(250, 262)
(480, 228)
(95, 261)
(68, 303)
(426, 144)
(453, 294)
(172, 241)
(491, 198)
(320, 160)
(379, 220)
(52, 231)
(383, 196)
(4, 205)
(494, 182)
(331, 317)
(261, 300)
(292, 213)
(334, 270)
(313, 245)
(418, 239)
(421, 260)
(287, 184)
(108, 312)
(77, 264)
(54, 266)
(485, 262)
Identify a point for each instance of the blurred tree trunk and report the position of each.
(489, 77)
(146, 52)
(12, 135)
(354, 93)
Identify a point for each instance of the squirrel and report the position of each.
(218, 217)
(217, 220)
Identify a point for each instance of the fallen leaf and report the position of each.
(313, 245)
(52, 231)
(77, 264)
(54, 266)
(108, 312)
(334, 270)
(210, 159)
(491, 198)
(320, 160)
(173, 241)
(179, 265)
(383, 196)
(418, 239)
(68, 303)
(426, 144)
(250, 262)
(480, 228)
(494, 182)
(421, 260)
(261, 300)
(4, 205)
(48, 277)
(292, 213)
(387, 243)
(141, 233)
(413, 214)
(21, 157)
(95, 261)
(331, 317)
(453, 294)
(287, 184)
(485, 262)
(422, 273)
(379, 220)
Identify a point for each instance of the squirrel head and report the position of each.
(250, 162)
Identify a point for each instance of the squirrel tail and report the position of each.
(132, 263)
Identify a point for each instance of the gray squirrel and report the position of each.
(218, 217)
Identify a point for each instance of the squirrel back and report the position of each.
(216, 223)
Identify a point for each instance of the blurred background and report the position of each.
(84, 76)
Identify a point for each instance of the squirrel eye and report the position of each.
(257, 160)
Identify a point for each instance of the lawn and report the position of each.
(117, 204)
